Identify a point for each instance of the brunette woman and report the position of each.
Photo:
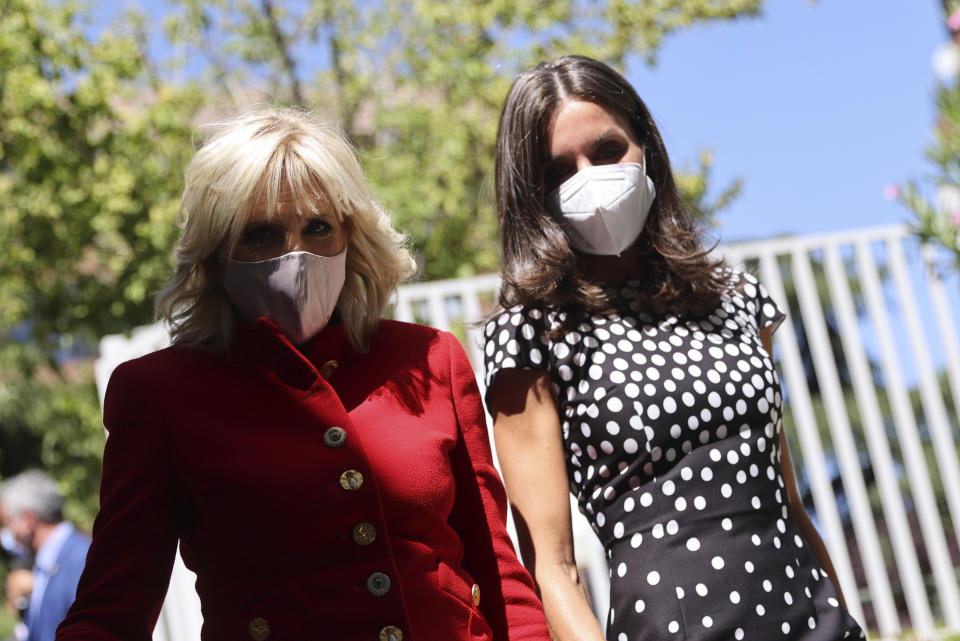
(632, 367)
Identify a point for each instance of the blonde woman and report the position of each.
(326, 472)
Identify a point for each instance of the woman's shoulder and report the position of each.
(406, 340)
(516, 316)
(401, 330)
(168, 362)
(740, 282)
(157, 370)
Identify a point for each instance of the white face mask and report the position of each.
(297, 291)
(604, 208)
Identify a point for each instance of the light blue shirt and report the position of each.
(45, 566)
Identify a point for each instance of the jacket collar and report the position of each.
(262, 344)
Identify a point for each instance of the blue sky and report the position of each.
(817, 106)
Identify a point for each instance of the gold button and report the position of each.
(328, 368)
(335, 437)
(364, 533)
(258, 629)
(351, 480)
(378, 584)
(475, 593)
(391, 633)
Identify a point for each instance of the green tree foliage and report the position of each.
(938, 219)
(96, 127)
(92, 146)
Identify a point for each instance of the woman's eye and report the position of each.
(610, 152)
(316, 227)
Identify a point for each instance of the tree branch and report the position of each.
(282, 46)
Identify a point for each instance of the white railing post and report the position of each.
(876, 437)
(933, 409)
(842, 434)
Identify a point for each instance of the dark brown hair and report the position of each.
(539, 267)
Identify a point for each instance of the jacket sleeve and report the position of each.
(135, 535)
(507, 597)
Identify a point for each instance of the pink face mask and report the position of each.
(298, 291)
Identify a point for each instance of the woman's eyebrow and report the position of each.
(602, 137)
(606, 135)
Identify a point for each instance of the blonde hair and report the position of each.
(257, 157)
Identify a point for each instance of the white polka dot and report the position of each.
(646, 499)
(653, 577)
(680, 592)
(738, 634)
(699, 502)
(717, 562)
(618, 530)
(760, 609)
(636, 540)
(785, 627)
(673, 627)
(639, 605)
(693, 544)
(706, 474)
(832, 601)
(701, 589)
(726, 524)
(734, 597)
(622, 570)
(668, 488)
(707, 622)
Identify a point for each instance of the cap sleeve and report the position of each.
(515, 339)
(766, 311)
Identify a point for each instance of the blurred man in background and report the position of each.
(31, 508)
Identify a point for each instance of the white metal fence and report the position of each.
(870, 364)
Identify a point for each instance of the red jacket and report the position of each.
(344, 509)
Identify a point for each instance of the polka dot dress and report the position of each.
(671, 429)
